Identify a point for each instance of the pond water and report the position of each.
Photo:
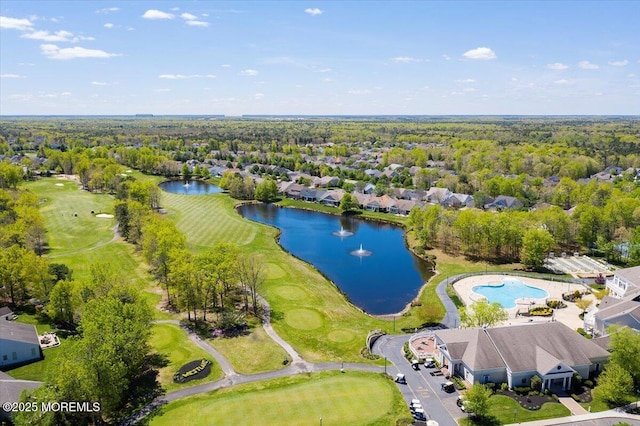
(372, 266)
(192, 187)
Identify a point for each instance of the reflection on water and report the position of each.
(382, 282)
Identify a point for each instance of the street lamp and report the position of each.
(394, 323)
(320, 421)
(385, 365)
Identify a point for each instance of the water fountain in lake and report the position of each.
(361, 252)
(187, 184)
(343, 233)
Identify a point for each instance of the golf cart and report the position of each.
(415, 365)
(447, 387)
(460, 403)
(419, 414)
(400, 379)
(429, 363)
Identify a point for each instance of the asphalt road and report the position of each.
(439, 405)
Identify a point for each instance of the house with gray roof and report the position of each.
(623, 281)
(10, 390)
(513, 354)
(19, 344)
(623, 311)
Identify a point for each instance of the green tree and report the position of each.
(266, 191)
(483, 314)
(615, 385)
(186, 172)
(252, 276)
(64, 300)
(348, 202)
(476, 400)
(536, 243)
(625, 351)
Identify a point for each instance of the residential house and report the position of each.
(10, 390)
(623, 311)
(294, 190)
(457, 200)
(362, 198)
(326, 181)
(332, 197)
(309, 194)
(369, 188)
(438, 195)
(19, 344)
(504, 202)
(404, 207)
(373, 173)
(513, 354)
(624, 280)
(6, 314)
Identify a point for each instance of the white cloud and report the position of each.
(15, 23)
(11, 76)
(188, 16)
(359, 92)
(324, 70)
(66, 94)
(99, 83)
(225, 66)
(557, 66)
(405, 59)
(108, 10)
(161, 90)
(465, 81)
(109, 25)
(185, 76)
(54, 52)
(469, 89)
(446, 57)
(58, 36)
(622, 63)
(563, 82)
(313, 11)
(258, 96)
(586, 65)
(249, 73)
(157, 14)
(481, 53)
(197, 23)
(328, 80)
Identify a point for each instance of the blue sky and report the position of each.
(310, 57)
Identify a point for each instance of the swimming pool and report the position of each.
(508, 291)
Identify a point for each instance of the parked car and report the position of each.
(400, 379)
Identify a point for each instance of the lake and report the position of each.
(382, 281)
(193, 187)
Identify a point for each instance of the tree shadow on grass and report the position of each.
(481, 421)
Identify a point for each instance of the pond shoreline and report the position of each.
(387, 316)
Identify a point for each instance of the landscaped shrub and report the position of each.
(490, 385)
(458, 382)
(536, 382)
(583, 333)
(504, 386)
(575, 397)
(588, 383)
(556, 304)
(541, 311)
(522, 390)
(407, 352)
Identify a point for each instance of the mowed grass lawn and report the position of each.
(172, 341)
(308, 311)
(352, 398)
(251, 354)
(83, 240)
(505, 410)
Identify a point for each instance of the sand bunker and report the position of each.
(59, 184)
(104, 215)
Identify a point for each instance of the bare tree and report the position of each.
(252, 276)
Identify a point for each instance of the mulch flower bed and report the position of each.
(583, 394)
(529, 402)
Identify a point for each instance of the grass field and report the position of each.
(307, 310)
(505, 410)
(254, 353)
(172, 341)
(352, 398)
(82, 240)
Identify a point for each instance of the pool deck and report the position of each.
(568, 316)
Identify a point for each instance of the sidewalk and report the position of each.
(572, 405)
(609, 417)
